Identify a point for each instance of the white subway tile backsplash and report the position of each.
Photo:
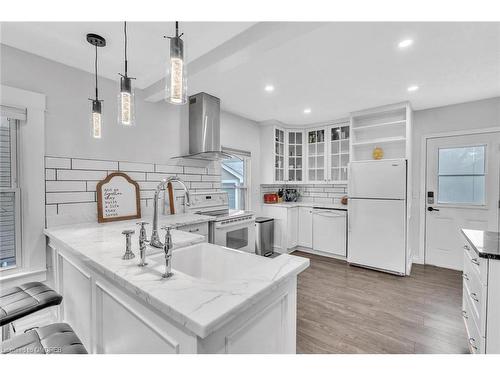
(201, 185)
(54, 186)
(148, 185)
(100, 165)
(62, 163)
(72, 197)
(136, 167)
(210, 178)
(71, 185)
(70, 174)
(156, 176)
(195, 170)
(190, 177)
(136, 176)
(50, 174)
(171, 169)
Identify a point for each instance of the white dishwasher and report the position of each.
(330, 231)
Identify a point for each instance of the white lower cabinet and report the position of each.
(286, 221)
(305, 227)
(316, 231)
(481, 302)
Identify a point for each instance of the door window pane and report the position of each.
(461, 175)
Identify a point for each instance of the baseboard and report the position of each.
(315, 252)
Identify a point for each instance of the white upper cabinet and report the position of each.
(279, 155)
(338, 151)
(295, 155)
(316, 155)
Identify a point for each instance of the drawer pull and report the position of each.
(194, 230)
(465, 276)
(466, 247)
(474, 297)
(472, 341)
(475, 261)
(464, 314)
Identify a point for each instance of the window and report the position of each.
(9, 196)
(461, 175)
(235, 174)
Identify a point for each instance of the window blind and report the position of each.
(9, 194)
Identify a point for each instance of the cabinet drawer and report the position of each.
(478, 264)
(474, 337)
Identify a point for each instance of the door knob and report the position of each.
(432, 209)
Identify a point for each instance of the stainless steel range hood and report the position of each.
(204, 128)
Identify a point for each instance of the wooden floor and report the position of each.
(346, 309)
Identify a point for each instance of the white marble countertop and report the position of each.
(202, 306)
(335, 206)
(178, 220)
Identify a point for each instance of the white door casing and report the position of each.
(443, 242)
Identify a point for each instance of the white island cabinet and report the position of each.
(218, 300)
(481, 290)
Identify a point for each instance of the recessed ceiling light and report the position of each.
(307, 111)
(405, 43)
(269, 88)
(412, 88)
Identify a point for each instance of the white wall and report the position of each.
(243, 134)
(161, 130)
(466, 116)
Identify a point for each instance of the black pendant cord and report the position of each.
(96, 89)
(125, 32)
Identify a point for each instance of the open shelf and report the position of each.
(383, 124)
(377, 141)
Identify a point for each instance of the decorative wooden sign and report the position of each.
(118, 198)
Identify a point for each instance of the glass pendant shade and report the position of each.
(126, 102)
(176, 87)
(96, 119)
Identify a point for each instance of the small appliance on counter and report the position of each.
(290, 195)
(270, 198)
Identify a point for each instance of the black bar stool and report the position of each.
(20, 301)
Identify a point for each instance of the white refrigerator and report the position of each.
(377, 225)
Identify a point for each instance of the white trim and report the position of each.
(31, 152)
(423, 172)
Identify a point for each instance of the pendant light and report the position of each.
(96, 116)
(176, 88)
(126, 97)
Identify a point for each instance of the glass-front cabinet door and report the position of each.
(316, 155)
(279, 155)
(339, 152)
(295, 156)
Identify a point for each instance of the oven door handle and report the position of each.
(219, 225)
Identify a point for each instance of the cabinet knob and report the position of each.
(475, 261)
(464, 314)
(465, 276)
(474, 297)
(466, 247)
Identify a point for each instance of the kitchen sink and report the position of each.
(211, 262)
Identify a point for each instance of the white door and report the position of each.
(377, 234)
(462, 191)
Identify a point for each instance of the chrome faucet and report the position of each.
(142, 243)
(167, 249)
(155, 238)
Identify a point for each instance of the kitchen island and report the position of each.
(481, 290)
(219, 300)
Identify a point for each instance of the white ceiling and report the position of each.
(332, 68)
(148, 51)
